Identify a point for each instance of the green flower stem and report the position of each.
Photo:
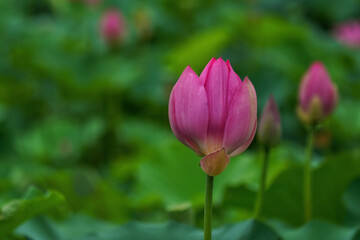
(208, 207)
(307, 175)
(260, 196)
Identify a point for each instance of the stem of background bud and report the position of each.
(307, 175)
(208, 207)
(260, 197)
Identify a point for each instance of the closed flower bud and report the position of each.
(214, 114)
(317, 95)
(112, 26)
(348, 33)
(144, 24)
(269, 131)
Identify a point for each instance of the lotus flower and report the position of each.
(112, 26)
(214, 114)
(317, 96)
(348, 33)
(269, 132)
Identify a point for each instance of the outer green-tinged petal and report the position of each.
(215, 163)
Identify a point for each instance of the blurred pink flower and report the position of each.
(112, 26)
(269, 132)
(317, 94)
(348, 33)
(214, 114)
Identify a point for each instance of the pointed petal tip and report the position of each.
(228, 64)
(317, 65)
(220, 59)
(188, 68)
(272, 109)
(246, 81)
(212, 60)
(317, 62)
(188, 71)
(209, 65)
(232, 72)
(204, 73)
(249, 85)
(272, 100)
(218, 65)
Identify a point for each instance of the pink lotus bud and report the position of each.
(214, 111)
(348, 33)
(269, 132)
(317, 96)
(112, 26)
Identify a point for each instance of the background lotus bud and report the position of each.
(348, 33)
(269, 131)
(144, 23)
(214, 111)
(317, 95)
(112, 26)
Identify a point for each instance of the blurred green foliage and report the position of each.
(89, 120)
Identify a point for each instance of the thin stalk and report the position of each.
(208, 207)
(307, 176)
(260, 196)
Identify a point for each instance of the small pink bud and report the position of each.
(214, 111)
(269, 132)
(348, 33)
(317, 95)
(112, 26)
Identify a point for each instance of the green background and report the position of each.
(84, 135)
